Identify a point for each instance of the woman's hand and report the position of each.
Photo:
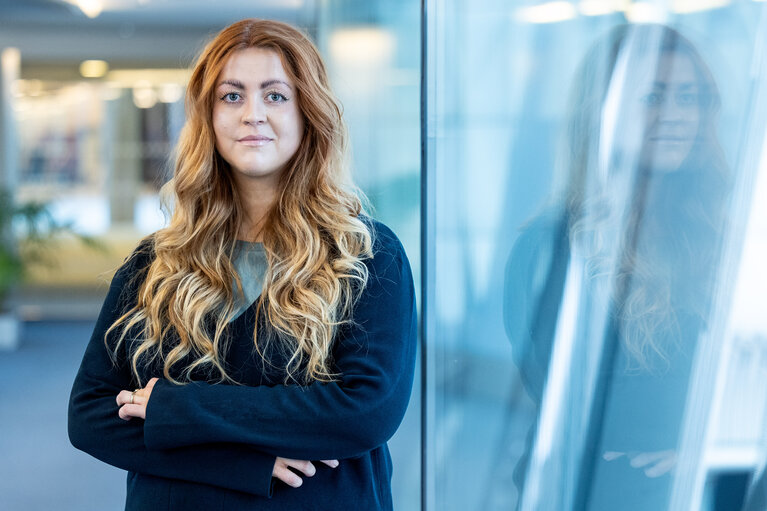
(133, 404)
(653, 464)
(287, 476)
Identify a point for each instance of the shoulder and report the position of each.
(542, 231)
(541, 242)
(386, 244)
(538, 240)
(134, 266)
(389, 259)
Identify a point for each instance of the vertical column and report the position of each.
(10, 65)
(125, 179)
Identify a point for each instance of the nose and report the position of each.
(254, 113)
(673, 111)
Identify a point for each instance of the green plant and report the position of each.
(28, 236)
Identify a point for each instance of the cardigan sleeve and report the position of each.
(342, 419)
(94, 425)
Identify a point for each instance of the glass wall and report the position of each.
(372, 50)
(593, 256)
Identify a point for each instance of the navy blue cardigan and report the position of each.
(211, 446)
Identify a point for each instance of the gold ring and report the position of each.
(132, 396)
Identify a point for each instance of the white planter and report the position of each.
(10, 330)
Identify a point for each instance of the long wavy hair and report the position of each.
(667, 237)
(314, 237)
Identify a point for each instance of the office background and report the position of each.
(457, 112)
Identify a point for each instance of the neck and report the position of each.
(257, 196)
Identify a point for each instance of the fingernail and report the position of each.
(335, 463)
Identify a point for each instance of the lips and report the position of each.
(255, 140)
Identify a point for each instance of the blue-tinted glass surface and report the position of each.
(592, 169)
(373, 54)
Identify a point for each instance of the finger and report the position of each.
(128, 411)
(664, 466)
(150, 385)
(287, 476)
(330, 463)
(645, 458)
(138, 399)
(306, 467)
(123, 398)
(126, 397)
(612, 455)
(124, 414)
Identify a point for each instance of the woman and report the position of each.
(270, 323)
(633, 241)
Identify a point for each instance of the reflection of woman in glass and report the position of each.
(642, 213)
(271, 324)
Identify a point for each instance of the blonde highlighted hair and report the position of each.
(656, 253)
(314, 238)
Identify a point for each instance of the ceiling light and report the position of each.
(688, 6)
(93, 68)
(131, 77)
(170, 92)
(645, 12)
(144, 96)
(599, 7)
(90, 8)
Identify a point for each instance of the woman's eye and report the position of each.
(275, 97)
(687, 99)
(653, 98)
(231, 97)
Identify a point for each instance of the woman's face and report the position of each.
(662, 112)
(256, 118)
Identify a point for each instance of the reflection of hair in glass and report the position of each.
(313, 237)
(673, 219)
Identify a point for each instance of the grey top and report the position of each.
(250, 264)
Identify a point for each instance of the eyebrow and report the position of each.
(268, 83)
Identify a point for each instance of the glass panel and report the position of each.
(372, 52)
(590, 179)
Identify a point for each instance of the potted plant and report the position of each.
(28, 233)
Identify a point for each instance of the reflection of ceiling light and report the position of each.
(686, 6)
(170, 92)
(600, 7)
(369, 47)
(144, 96)
(93, 68)
(550, 12)
(90, 8)
(645, 12)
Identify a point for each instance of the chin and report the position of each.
(665, 161)
(257, 170)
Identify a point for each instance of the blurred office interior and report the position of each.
(471, 124)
